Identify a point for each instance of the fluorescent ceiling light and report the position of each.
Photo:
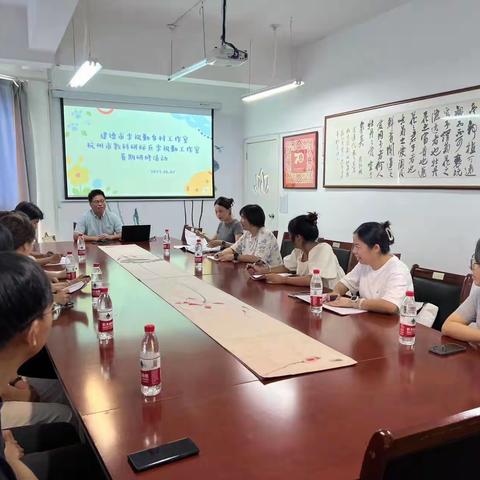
(192, 68)
(269, 91)
(86, 71)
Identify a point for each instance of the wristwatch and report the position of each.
(235, 256)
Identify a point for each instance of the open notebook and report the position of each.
(191, 239)
(338, 310)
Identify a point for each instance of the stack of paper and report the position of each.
(191, 239)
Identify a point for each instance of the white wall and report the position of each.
(60, 214)
(423, 47)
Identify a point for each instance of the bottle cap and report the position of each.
(150, 328)
(69, 253)
(409, 293)
(316, 271)
(96, 265)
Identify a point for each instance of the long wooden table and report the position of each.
(310, 426)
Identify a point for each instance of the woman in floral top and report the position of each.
(256, 244)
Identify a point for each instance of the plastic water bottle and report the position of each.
(151, 380)
(81, 249)
(198, 257)
(316, 293)
(166, 243)
(408, 314)
(105, 315)
(71, 267)
(97, 283)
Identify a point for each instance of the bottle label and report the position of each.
(316, 300)
(407, 330)
(198, 259)
(166, 246)
(71, 274)
(105, 322)
(150, 371)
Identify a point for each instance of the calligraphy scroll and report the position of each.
(425, 142)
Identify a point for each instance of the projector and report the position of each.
(226, 56)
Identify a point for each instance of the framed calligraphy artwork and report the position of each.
(423, 142)
(300, 160)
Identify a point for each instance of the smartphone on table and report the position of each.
(447, 349)
(163, 454)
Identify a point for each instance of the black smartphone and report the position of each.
(447, 349)
(166, 453)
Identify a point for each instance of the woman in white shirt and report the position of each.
(380, 278)
(256, 244)
(307, 256)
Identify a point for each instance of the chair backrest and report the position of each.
(445, 449)
(343, 252)
(443, 289)
(287, 245)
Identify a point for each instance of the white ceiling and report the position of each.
(313, 19)
(132, 35)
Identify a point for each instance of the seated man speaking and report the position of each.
(98, 223)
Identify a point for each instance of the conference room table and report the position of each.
(315, 425)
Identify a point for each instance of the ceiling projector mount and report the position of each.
(226, 55)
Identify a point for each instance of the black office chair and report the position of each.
(442, 450)
(286, 247)
(445, 290)
(343, 252)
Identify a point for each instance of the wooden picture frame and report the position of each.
(300, 161)
(429, 142)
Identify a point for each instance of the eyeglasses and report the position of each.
(99, 202)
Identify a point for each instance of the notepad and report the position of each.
(75, 287)
(338, 310)
(191, 248)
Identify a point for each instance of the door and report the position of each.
(261, 178)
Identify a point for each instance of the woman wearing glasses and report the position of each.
(457, 325)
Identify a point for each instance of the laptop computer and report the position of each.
(135, 233)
